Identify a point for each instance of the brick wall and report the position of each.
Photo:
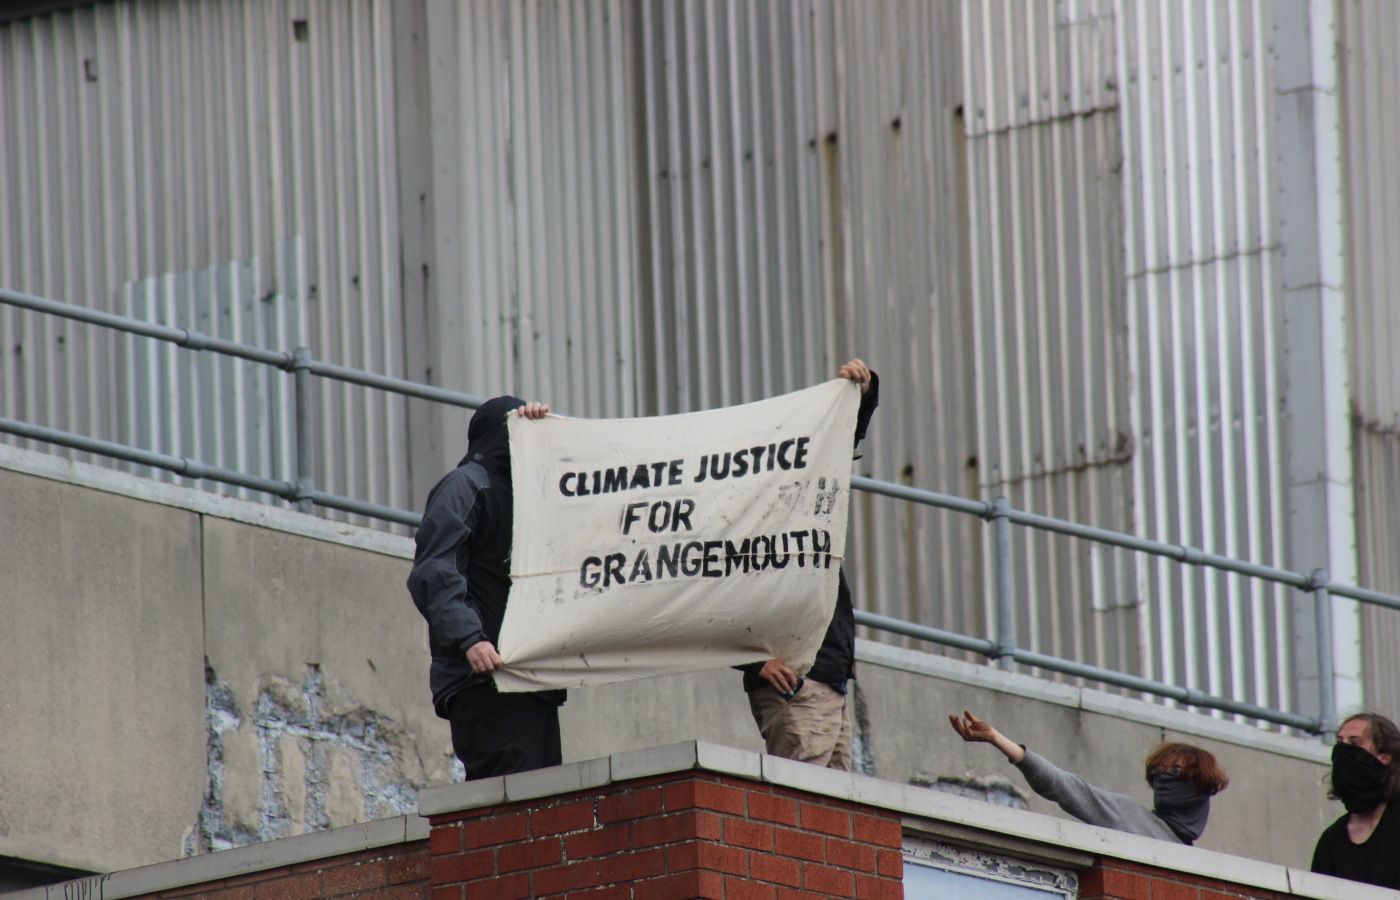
(1114, 879)
(398, 872)
(683, 835)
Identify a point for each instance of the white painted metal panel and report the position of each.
(1378, 496)
(1047, 287)
(1370, 98)
(1053, 433)
(1205, 322)
(804, 190)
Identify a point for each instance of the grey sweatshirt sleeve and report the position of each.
(1089, 804)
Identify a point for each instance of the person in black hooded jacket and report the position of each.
(806, 718)
(460, 582)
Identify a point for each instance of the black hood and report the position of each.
(488, 441)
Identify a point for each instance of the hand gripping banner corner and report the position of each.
(673, 544)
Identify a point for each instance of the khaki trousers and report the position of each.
(813, 727)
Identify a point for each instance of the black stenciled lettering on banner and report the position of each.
(660, 516)
(716, 558)
(785, 455)
(622, 478)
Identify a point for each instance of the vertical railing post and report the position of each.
(301, 372)
(1326, 683)
(1006, 615)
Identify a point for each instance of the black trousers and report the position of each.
(497, 734)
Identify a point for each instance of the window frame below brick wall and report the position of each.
(1037, 880)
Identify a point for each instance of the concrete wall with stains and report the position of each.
(181, 672)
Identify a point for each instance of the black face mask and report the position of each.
(1183, 806)
(1358, 778)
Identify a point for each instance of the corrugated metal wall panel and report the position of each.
(1204, 319)
(1371, 111)
(146, 139)
(535, 170)
(1054, 433)
(1037, 61)
(174, 390)
(792, 177)
(893, 198)
(1377, 498)
(48, 77)
(1370, 31)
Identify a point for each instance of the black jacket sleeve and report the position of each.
(868, 401)
(437, 583)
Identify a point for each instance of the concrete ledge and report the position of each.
(1309, 884)
(56, 468)
(238, 861)
(967, 822)
(945, 817)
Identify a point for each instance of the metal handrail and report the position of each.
(998, 512)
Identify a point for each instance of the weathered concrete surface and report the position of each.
(119, 748)
(322, 655)
(101, 694)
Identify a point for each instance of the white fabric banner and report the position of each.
(672, 544)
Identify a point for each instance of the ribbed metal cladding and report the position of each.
(1371, 104)
(532, 117)
(1370, 32)
(1047, 282)
(804, 170)
(536, 170)
(161, 142)
(891, 193)
(757, 193)
(1201, 258)
(1377, 498)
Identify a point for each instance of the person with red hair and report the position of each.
(1183, 779)
(1364, 844)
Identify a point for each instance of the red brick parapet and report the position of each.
(697, 820)
(683, 835)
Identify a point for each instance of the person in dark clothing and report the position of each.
(460, 582)
(806, 718)
(1364, 844)
(1183, 779)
